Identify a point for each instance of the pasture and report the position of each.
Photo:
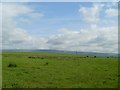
(52, 70)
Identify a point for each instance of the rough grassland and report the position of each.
(51, 70)
(0, 70)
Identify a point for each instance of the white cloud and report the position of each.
(11, 10)
(30, 18)
(91, 14)
(111, 5)
(35, 15)
(14, 37)
(16, 0)
(60, 1)
(111, 12)
(94, 39)
(24, 20)
(103, 38)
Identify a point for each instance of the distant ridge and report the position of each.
(62, 51)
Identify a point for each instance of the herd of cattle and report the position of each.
(60, 57)
(52, 57)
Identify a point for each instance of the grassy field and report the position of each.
(52, 70)
(0, 70)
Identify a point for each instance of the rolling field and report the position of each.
(51, 70)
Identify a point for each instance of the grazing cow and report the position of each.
(42, 57)
(29, 57)
(46, 63)
(32, 57)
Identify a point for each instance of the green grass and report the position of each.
(58, 71)
(0, 70)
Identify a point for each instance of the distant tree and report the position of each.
(94, 56)
(87, 56)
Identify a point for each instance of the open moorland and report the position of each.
(53, 70)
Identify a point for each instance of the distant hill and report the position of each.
(62, 51)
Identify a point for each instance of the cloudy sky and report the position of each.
(83, 26)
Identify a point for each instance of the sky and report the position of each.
(74, 26)
(59, 0)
